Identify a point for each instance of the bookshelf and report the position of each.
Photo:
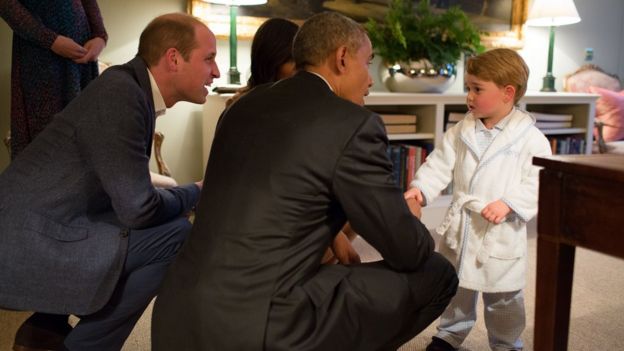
(411, 136)
(432, 110)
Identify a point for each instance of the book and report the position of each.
(456, 116)
(396, 154)
(449, 125)
(553, 145)
(562, 145)
(400, 128)
(551, 125)
(552, 117)
(410, 163)
(398, 118)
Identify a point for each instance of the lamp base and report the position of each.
(549, 83)
(233, 76)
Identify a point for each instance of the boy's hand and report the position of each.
(343, 250)
(414, 206)
(495, 212)
(414, 193)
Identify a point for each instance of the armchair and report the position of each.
(609, 119)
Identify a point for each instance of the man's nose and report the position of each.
(215, 71)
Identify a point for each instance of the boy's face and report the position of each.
(487, 100)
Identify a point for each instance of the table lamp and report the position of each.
(552, 13)
(233, 73)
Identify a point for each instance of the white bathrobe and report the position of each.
(488, 257)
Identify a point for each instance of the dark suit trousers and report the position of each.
(432, 287)
(373, 308)
(150, 251)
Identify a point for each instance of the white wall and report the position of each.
(601, 28)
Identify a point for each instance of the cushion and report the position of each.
(610, 110)
(590, 75)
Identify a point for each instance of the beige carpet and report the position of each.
(597, 309)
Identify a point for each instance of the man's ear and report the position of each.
(341, 59)
(172, 56)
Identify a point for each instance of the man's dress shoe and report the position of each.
(31, 337)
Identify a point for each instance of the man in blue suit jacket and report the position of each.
(82, 229)
(305, 156)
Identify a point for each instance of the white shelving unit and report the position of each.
(411, 136)
(431, 110)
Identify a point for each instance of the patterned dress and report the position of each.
(42, 82)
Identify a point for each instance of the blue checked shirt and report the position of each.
(486, 136)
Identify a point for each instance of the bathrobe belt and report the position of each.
(454, 225)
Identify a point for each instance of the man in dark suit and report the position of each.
(82, 229)
(290, 163)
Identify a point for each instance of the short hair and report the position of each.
(270, 49)
(322, 34)
(503, 67)
(173, 30)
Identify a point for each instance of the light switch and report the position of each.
(589, 54)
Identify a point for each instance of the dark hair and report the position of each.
(271, 48)
(322, 34)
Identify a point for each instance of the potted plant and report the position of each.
(420, 47)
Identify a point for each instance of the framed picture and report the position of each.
(501, 20)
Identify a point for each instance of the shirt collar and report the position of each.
(324, 80)
(159, 103)
(480, 127)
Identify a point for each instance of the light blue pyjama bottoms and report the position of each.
(504, 317)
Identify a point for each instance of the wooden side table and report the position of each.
(581, 203)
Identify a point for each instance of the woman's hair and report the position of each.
(503, 67)
(270, 49)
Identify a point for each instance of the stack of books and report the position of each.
(453, 118)
(399, 123)
(552, 120)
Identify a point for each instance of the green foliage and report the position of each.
(413, 34)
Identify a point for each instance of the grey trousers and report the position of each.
(150, 251)
(504, 317)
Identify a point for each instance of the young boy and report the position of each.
(488, 158)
